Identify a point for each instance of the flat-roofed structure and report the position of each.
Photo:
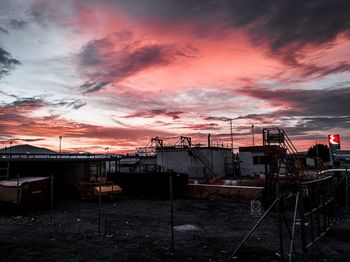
(252, 158)
(67, 169)
(197, 162)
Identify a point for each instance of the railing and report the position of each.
(292, 153)
(318, 209)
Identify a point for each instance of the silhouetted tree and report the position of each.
(319, 150)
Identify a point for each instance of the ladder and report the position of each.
(280, 154)
(204, 160)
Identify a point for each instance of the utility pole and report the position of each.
(60, 137)
(253, 134)
(10, 148)
(233, 161)
(231, 135)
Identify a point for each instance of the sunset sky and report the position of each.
(117, 73)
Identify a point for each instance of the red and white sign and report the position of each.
(334, 139)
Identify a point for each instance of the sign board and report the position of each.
(255, 208)
(334, 141)
(275, 138)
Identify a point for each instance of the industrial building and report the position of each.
(82, 174)
(197, 161)
(252, 159)
(67, 169)
(138, 164)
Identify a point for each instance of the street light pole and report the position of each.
(253, 134)
(231, 135)
(10, 148)
(233, 161)
(60, 137)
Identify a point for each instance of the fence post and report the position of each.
(346, 188)
(311, 203)
(302, 219)
(18, 191)
(278, 197)
(171, 210)
(99, 198)
(51, 199)
(293, 228)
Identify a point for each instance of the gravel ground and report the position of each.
(136, 229)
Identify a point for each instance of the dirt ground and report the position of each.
(138, 229)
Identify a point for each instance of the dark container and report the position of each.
(27, 192)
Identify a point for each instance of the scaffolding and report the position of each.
(314, 200)
(280, 154)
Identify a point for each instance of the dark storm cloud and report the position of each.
(324, 123)
(75, 104)
(325, 102)
(156, 112)
(285, 22)
(307, 72)
(7, 63)
(24, 140)
(40, 12)
(295, 121)
(119, 122)
(110, 60)
(123, 63)
(17, 24)
(215, 118)
(17, 110)
(286, 27)
(90, 87)
(306, 126)
(172, 10)
(47, 13)
(203, 126)
(290, 26)
(300, 127)
(320, 71)
(28, 139)
(29, 103)
(95, 52)
(8, 115)
(16, 118)
(308, 110)
(4, 31)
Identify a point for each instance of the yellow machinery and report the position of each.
(91, 190)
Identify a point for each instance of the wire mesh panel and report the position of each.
(318, 203)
